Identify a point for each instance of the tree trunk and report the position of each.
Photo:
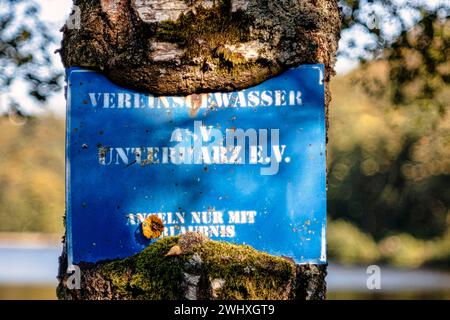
(178, 47)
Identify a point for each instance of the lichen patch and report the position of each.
(152, 227)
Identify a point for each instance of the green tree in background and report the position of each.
(413, 37)
(412, 41)
(394, 178)
(24, 53)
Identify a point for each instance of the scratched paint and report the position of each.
(247, 167)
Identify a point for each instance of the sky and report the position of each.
(55, 13)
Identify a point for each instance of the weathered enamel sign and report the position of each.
(246, 167)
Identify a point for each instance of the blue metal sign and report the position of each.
(246, 167)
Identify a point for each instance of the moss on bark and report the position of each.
(201, 269)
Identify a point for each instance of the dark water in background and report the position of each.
(30, 273)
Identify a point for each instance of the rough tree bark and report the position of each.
(177, 47)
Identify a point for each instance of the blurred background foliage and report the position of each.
(389, 136)
(389, 167)
(32, 175)
(25, 57)
(389, 150)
